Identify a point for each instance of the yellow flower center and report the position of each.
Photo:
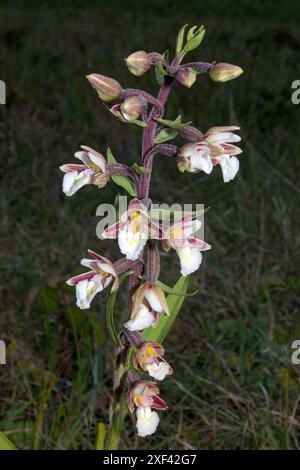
(95, 167)
(176, 233)
(135, 215)
(149, 351)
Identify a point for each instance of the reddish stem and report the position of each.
(150, 130)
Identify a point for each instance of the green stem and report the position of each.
(119, 406)
(116, 426)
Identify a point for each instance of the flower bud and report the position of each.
(132, 107)
(107, 88)
(224, 72)
(186, 77)
(138, 63)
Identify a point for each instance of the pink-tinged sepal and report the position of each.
(80, 277)
(72, 167)
(229, 149)
(158, 403)
(199, 244)
(96, 257)
(156, 232)
(113, 230)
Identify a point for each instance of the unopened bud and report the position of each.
(132, 107)
(138, 63)
(224, 72)
(107, 88)
(186, 77)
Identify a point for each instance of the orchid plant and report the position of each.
(140, 357)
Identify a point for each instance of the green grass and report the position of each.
(233, 386)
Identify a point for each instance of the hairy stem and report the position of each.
(150, 130)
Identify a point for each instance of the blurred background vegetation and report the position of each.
(234, 386)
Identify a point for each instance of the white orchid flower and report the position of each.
(222, 151)
(147, 421)
(144, 395)
(214, 148)
(101, 275)
(92, 171)
(133, 230)
(189, 248)
(149, 357)
(194, 158)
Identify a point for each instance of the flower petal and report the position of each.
(86, 291)
(147, 421)
(141, 320)
(131, 242)
(74, 180)
(159, 370)
(230, 167)
(201, 163)
(190, 259)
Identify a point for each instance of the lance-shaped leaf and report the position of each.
(160, 70)
(171, 291)
(194, 38)
(122, 181)
(176, 124)
(5, 443)
(180, 38)
(165, 323)
(110, 312)
(166, 214)
(140, 170)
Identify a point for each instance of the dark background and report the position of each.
(233, 386)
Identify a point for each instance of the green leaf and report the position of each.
(159, 76)
(165, 322)
(171, 291)
(180, 39)
(176, 124)
(165, 135)
(191, 33)
(110, 310)
(5, 443)
(100, 439)
(159, 69)
(195, 41)
(161, 214)
(122, 181)
(140, 170)
(137, 122)
(166, 55)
